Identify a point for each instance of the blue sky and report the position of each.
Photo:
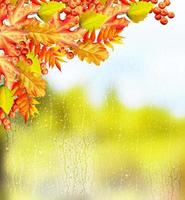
(149, 69)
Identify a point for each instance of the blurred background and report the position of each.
(111, 133)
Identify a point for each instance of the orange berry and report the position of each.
(10, 7)
(22, 44)
(29, 61)
(164, 12)
(158, 17)
(74, 13)
(2, 115)
(171, 15)
(2, 5)
(24, 51)
(43, 65)
(67, 10)
(44, 71)
(70, 55)
(11, 115)
(167, 2)
(15, 108)
(164, 20)
(157, 10)
(154, 1)
(162, 5)
(99, 7)
(6, 121)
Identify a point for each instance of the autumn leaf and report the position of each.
(8, 70)
(35, 66)
(51, 56)
(47, 34)
(117, 23)
(8, 36)
(26, 105)
(139, 10)
(103, 1)
(49, 9)
(92, 53)
(21, 12)
(34, 85)
(42, 33)
(92, 20)
(31, 80)
(6, 99)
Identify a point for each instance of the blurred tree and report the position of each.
(126, 145)
(2, 164)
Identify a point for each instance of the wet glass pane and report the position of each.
(111, 133)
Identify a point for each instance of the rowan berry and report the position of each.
(164, 20)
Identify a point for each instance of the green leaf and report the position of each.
(13, 2)
(103, 1)
(92, 20)
(35, 67)
(139, 10)
(6, 99)
(48, 10)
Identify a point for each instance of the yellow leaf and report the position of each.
(92, 53)
(47, 34)
(48, 10)
(9, 35)
(139, 10)
(42, 33)
(6, 99)
(34, 85)
(21, 11)
(92, 20)
(34, 67)
(103, 1)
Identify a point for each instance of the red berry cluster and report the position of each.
(6, 9)
(5, 119)
(19, 53)
(160, 11)
(75, 7)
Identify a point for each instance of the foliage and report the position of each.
(138, 11)
(36, 35)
